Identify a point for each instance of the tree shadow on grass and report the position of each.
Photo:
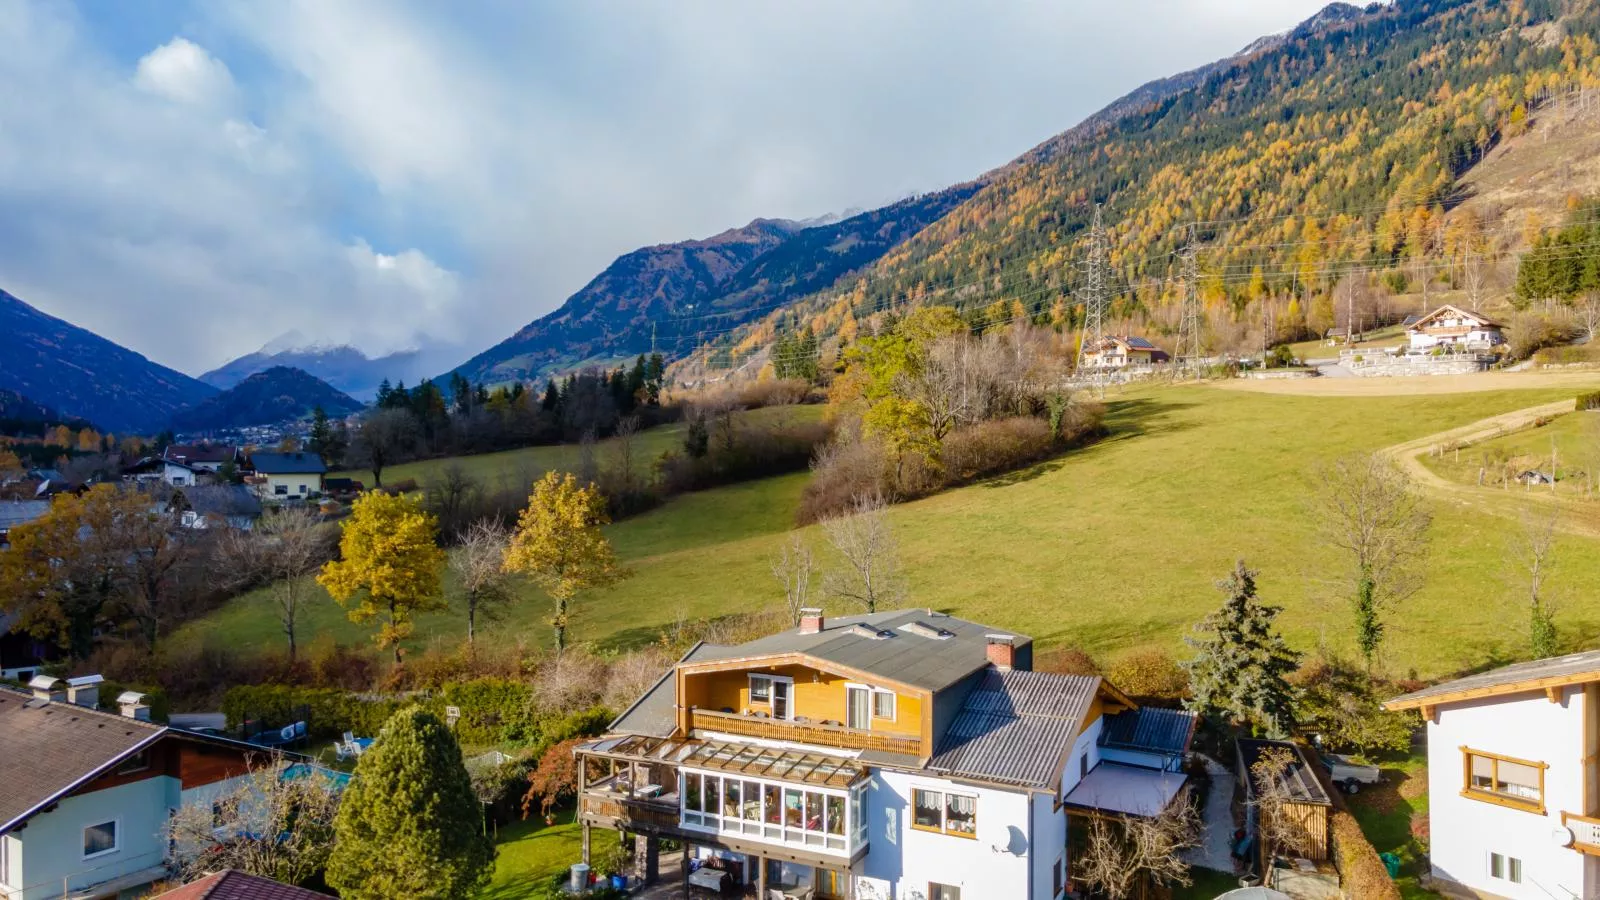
(1142, 416)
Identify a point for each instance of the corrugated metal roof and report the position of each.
(655, 713)
(287, 463)
(1303, 784)
(909, 657)
(1506, 678)
(1149, 728)
(1015, 726)
(20, 512)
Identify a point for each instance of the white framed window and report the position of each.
(773, 811)
(883, 704)
(945, 812)
(1505, 868)
(280, 490)
(101, 839)
(760, 688)
(775, 691)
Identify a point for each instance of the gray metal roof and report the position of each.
(1150, 729)
(1303, 784)
(222, 500)
(21, 512)
(654, 714)
(910, 657)
(287, 463)
(1506, 678)
(1015, 726)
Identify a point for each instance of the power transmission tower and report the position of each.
(1188, 348)
(1094, 290)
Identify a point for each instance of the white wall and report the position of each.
(997, 864)
(52, 844)
(1049, 845)
(1087, 745)
(1465, 831)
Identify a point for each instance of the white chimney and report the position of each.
(47, 688)
(84, 690)
(132, 705)
(811, 620)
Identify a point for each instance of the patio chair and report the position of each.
(339, 752)
(349, 738)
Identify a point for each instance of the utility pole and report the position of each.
(1188, 348)
(1094, 291)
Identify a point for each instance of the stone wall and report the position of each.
(1380, 365)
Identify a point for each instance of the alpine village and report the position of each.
(1204, 503)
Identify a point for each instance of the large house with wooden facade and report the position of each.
(85, 795)
(891, 755)
(1514, 779)
(1121, 352)
(1452, 327)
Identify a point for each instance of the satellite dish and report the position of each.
(1562, 836)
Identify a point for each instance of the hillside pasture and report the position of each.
(1111, 547)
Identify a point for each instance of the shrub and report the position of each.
(990, 448)
(1361, 871)
(1072, 660)
(1590, 400)
(1531, 332)
(774, 449)
(1421, 831)
(843, 470)
(1149, 674)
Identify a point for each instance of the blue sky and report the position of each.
(192, 179)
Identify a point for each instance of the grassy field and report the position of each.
(1573, 439)
(1112, 547)
(527, 464)
(1319, 348)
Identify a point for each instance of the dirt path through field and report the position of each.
(1494, 501)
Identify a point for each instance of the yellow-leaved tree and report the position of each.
(559, 545)
(390, 563)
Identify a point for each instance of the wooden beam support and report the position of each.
(1553, 694)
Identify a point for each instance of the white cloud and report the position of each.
(372, 171)
(182, 70)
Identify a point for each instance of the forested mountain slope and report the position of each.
(278, 394)
(1336, 149)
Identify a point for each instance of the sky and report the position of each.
(194, 179)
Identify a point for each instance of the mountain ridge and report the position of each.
(277, 394)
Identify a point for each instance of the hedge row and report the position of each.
(494, 712)
(1361, 871)
(1590, 400)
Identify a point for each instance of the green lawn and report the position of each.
(1393, 336)
(527, 464)
(528, 853)
(1111, 547)
(1207, 885)
(1574, 438)
(1384, 814)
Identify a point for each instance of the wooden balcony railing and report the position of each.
(803, 732)
(1585, 832)
(654, 813)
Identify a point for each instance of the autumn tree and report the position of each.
(265, 824)
(409, 824)
(554, 779)
(481, 576)
(558, 543)
(1241, 664)
(869, 554)
(285, 547)
(1368, 508)
(390, 566)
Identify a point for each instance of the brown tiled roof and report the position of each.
(47, 749)
(231, 885)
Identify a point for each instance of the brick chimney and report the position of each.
(84, 690)
(132, 705)
(811, 620)
(47, 688)
(1002, 651)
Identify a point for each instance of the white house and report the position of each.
(1455, 328)
(905, 754)
(190, 464)
(1122, 351)
(1514, 779)
(286, 476)
(85, 795)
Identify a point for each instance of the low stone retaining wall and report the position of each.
(1275, 374)
(1383, 365)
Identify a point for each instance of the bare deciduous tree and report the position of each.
(386, 436)
(1280, 830)
(1122, 853)
(267, 825)
(1367, 507)
(625, 449)
(1535, 554)
(866, 546)
(792, 567)
(479, 566)
(1475, 278)
(286, 546)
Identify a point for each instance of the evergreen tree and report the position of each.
(325, 441)
(655, 376)
(552, 396)
(385, 394)
(409, 824)
(1240, 668)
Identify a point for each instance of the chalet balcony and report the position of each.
(1585, 832)
(818, 733)
(644, 807)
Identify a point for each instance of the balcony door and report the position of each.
(781, 703)
(858, 707)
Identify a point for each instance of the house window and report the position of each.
(1505, 780)
(302, 489)
(883, 704)
(955, 814)
(760, 689)
(773, 691)
(1083, 767)
(1505, 868)
(1056, 880)
(281, 490)
(937, 891)
(99, 840)
(135, 763)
